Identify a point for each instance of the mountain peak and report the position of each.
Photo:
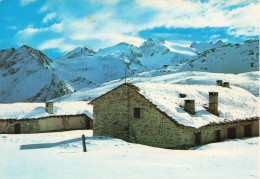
(151, 46)
(80, 51)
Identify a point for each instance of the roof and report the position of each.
(233, 103)
(36, 110)
(127, 84)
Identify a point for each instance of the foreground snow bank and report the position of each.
(59, 155)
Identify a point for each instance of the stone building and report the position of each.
(175, 116)
(23, 118)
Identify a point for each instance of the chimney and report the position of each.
(219, 82)
(49, 108)
(213, 103)
(182, 95)
(189, 106)
(226, 84)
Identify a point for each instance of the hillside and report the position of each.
(28, 75)
(238, 58)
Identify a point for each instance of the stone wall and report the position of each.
(46, 124)
(114, 116)
(111, 114)
(208, 133)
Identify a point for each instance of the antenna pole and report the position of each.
(125, 75)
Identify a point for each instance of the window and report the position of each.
(137, 112)
(197, 138)
(232, 133)
(217, 134)
(247, 131)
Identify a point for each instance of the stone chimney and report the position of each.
(226, 84)
(219, 82)
(182, 95)
(189, 106)
(213, 103)
(49, 108)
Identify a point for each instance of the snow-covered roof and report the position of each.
(233, 103)
(36, 110)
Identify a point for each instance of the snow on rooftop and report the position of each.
(233, 103)
(36, 110)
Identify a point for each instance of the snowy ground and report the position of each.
(59, 155)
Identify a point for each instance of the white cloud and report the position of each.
(194, 14)
(49, 17)
(57, 43)
(28, 31)
(57, 27)
(25, 2)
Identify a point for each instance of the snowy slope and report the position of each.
(59, 155)
(235, 59)
(27, 75)
(248, 81)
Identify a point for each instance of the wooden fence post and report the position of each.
(84, 143)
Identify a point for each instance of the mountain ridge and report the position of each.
(83, 67)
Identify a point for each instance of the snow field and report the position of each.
(59, 155)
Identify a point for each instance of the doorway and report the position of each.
(232, 133)
(17, 128)
(247, 131)
(217, 134)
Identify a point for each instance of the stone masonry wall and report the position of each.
(153, 127)
(46, 124)
(208, 133)
(111, 114)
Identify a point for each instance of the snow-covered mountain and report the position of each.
(27, 75)
(238, 58)
(203, 46)
(81, 68)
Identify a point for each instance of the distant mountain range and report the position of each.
(29, 75)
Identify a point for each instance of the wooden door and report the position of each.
(217, 134)
(232, 133)
(247, 131)
(197, 138)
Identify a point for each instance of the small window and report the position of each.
(217, 134)
(232, 133)
(197, 138)
(137, 112)
(247, 131)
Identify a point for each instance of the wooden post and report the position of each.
(84, 143)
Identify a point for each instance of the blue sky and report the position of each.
(58, 26)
